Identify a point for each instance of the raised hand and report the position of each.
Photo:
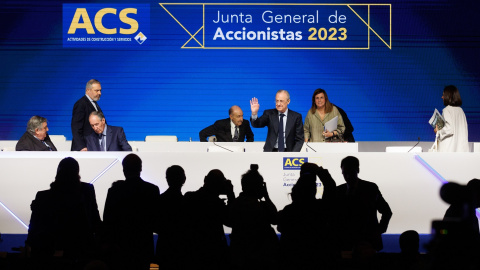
(254, 106)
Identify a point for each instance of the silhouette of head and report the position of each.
(350, 169)
(409, 242)
(252, 183)
(305, 189)
(175, 176)
(214, 182)
(453, 193)
(473, 187)
(308, 168)
(67, 173)
(132, 166)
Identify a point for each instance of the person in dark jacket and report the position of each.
(36, 137)
(129, 218)
(171, 221)
(65, 219)
(358, 202)
(254, 243)
(206, 213)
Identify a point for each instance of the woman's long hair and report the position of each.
(328, 105)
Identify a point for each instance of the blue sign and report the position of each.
(293, 163)
(106, 25)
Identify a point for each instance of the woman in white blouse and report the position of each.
(453, 137)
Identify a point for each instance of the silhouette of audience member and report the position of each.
(328, 183)
(409, 243)
(171, 224)
(357, 204)
(463, 202)
(206, 213)
(410, 256)
(253, 241)
(129, 218)
(64, 219)
(455, 242)
(308, 239)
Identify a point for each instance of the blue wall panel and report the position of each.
(159, 88)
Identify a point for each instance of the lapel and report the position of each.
(96, 142)
(228, 130)
(274, 119)
(289, 124)
(39, 143)
(91, 105)
(109, 137)
(50, 143)
(240, 132)
(317, 115)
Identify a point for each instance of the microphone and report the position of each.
(414, 145)
(222, 147)
(306, 143)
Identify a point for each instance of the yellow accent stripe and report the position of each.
(182, 26)
(368, 25)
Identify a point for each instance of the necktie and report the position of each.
(102, 142)
(235, 136)
(98, 107)
(46, 144)
(281, 140)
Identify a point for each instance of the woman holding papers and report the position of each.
(453, 137)
(317, 123)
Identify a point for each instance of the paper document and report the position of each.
(437, 120)
(332, 124)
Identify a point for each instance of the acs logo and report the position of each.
(82, 14)
(293, 163)
(105, 25)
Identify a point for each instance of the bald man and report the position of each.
(232, 129)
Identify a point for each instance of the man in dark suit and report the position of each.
(81, 111)
(233, 129)
(129, 218)
(357, 204)
(105, 137)
(36, 137)
(285, 127)
(171, 222)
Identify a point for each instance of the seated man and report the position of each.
(105, 137)
(233, 129)
(36, 137)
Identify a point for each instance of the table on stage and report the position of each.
(409, 182)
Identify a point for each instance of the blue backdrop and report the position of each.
(158, 88)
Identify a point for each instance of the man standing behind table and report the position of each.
(105, 137)
(36, 137)
(233, 129)
(285, 127)
(81, 111)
